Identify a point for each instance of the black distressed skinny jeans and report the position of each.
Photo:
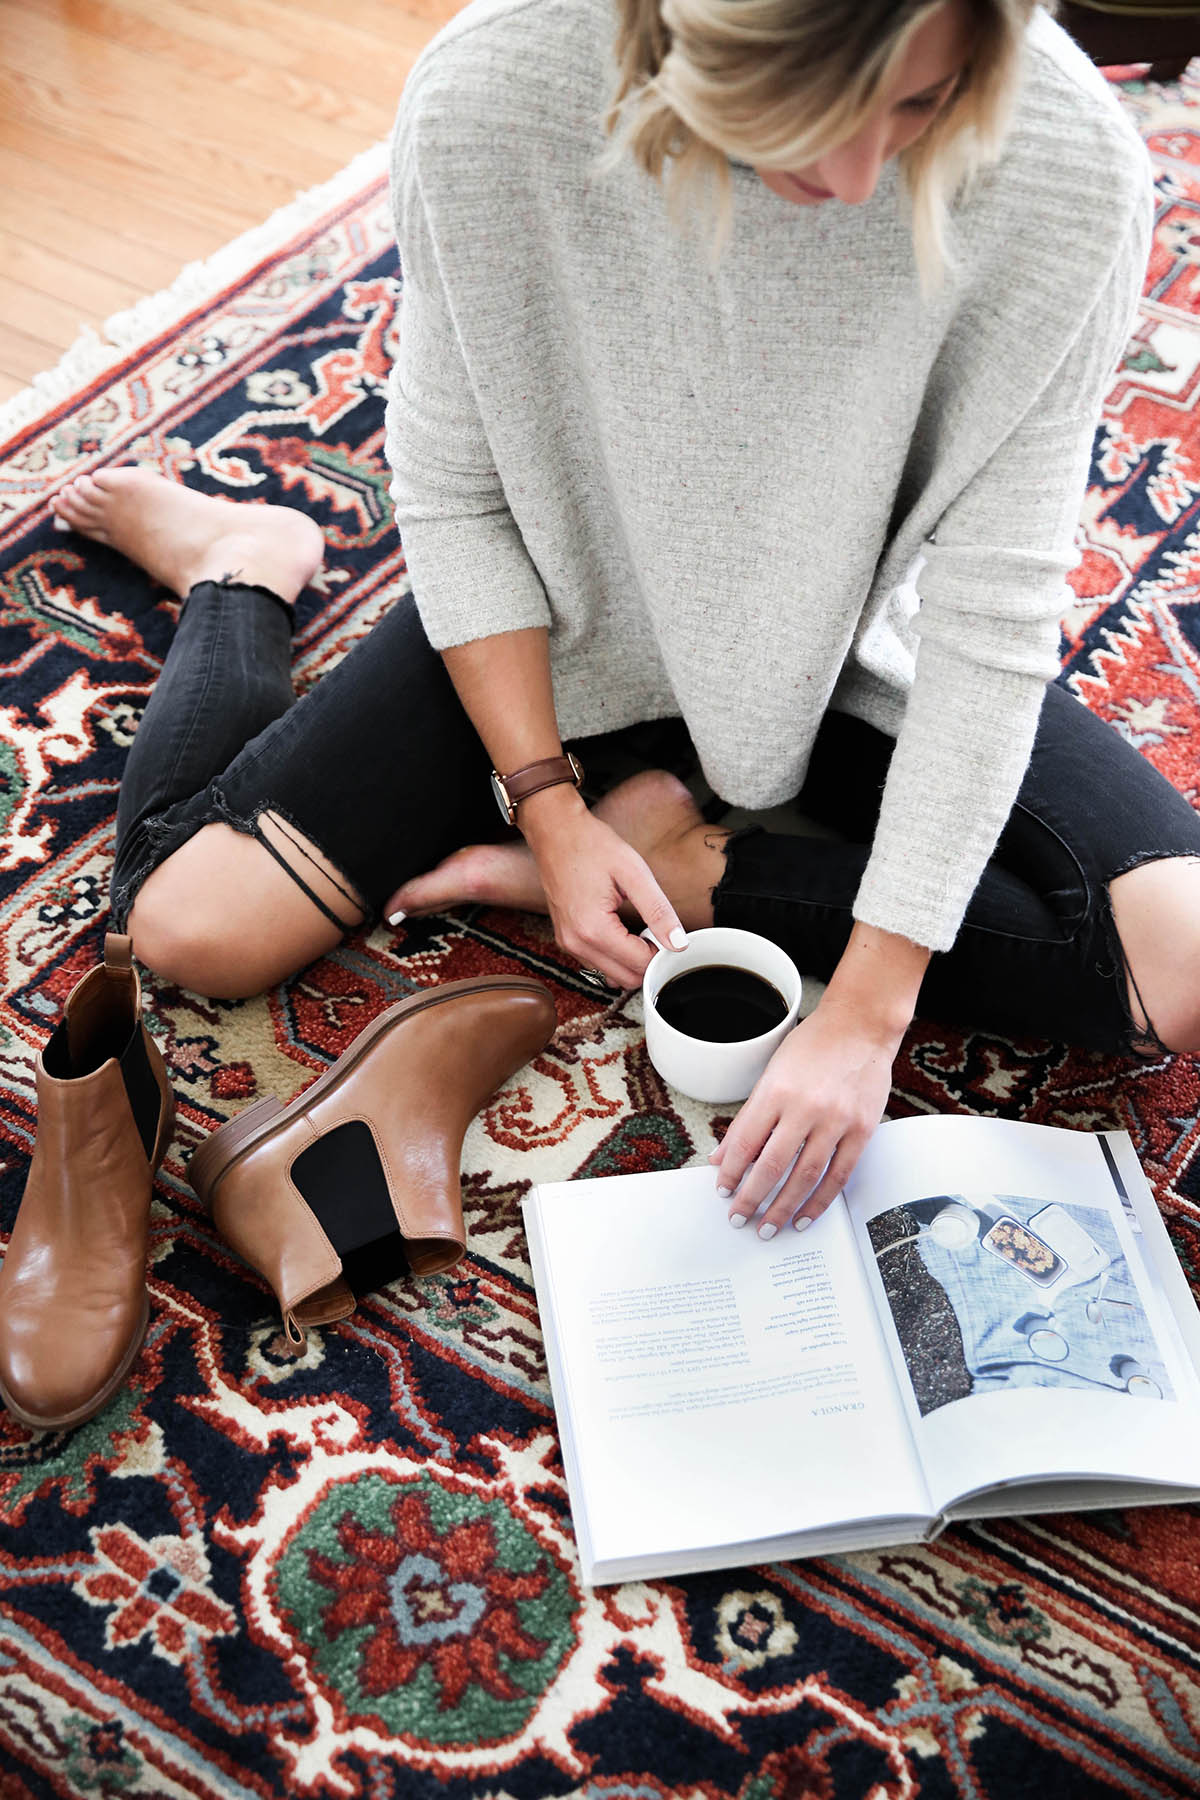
(380, 768)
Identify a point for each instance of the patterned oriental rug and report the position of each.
(201, 1592)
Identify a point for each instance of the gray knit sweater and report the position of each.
(711, 482)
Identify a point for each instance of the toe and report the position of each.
(80, 507)
(66, 504)
(416, 897)
(111, 481)
(80, 502)
(460, 878)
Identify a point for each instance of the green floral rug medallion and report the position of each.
(433, 1612)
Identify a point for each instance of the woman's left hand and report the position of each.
(822, 1094)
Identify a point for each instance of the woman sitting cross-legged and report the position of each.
(749, 359)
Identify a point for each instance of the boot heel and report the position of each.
(215, 1154)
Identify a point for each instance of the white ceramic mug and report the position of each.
(697, 1066)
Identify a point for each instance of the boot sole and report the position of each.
(218, 1154)
(81, 1414)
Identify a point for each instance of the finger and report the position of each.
(801, 1184)
(657, 914)
(768, 1169)
(601, 941)
(586, 955)
(625, 950)
(836, 1176)
(717, 1154)
(743, 1142)
(768, 1179)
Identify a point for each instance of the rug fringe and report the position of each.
(91, 353)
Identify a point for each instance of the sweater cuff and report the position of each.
(955, 774)
(472, 578)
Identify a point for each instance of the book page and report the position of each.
(1035, 1338)
(718, 1388)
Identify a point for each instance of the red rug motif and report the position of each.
(353, 1574)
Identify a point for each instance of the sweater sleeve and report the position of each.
(472, 575)
(992, 593)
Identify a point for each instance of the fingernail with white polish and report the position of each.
(802, 1223)
(724, 1193)
(651, 939)
(60, 524)
(398, 917)
(679, 938)
(737, 1220)
(767, 1231)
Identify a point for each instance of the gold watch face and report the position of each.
(502, 800)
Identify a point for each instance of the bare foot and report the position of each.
(652, 811)
(181, 537)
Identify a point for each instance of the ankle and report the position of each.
(240, 561)
(688, 865)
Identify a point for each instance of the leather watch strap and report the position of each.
(549, 772)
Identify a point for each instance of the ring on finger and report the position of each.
(595, 978)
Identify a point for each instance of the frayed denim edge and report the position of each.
(165, 837)
(735, 837)
(1144, 1041)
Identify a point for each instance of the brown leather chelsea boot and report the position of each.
(372, 1147)
(73, 1301)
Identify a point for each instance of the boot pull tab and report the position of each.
(118, 953)
(294, 1333)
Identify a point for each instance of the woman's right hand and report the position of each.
(589, 873)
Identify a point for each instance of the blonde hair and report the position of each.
(779, 83)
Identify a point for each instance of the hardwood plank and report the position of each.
(261, 65)
(92, 292)
(379, 16)
(142, 185)
(168, 155)
(26, 221)
(95, 214)
(47, 316)
(331, 51)
(223, 212)
(122, 93)
(23, 354)
(9, 384)
(348, 37)
(138, 135)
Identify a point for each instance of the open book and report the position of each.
(990, 1320)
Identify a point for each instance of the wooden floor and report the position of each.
(138, 135)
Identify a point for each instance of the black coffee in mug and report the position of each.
(721, 1004)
